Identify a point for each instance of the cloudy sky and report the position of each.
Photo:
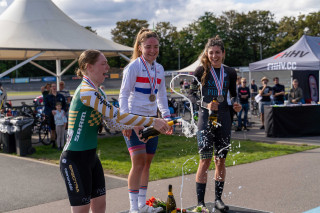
(102, 15)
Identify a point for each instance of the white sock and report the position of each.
(133, 197)
(142, 196)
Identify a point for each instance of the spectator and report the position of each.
(3, 96)
(193, 94)
(60, 121)
(278, 92)
(64, 92)
(186, 85)
(296, 93)
(50, 104)
(181, 84)
(265, 91)
(254, 89)
(243, 95)
(45, 90)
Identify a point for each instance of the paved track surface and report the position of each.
(285, 184)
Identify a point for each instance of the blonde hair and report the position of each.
(142, 36)
(216, 41)
(87, 57)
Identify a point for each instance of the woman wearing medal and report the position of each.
(142, 92)
(216, 81)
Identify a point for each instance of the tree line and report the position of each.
(247, 38)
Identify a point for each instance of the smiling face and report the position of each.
(97, 71)
(215, 56)
(150, 49)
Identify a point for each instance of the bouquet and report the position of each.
(156, 202)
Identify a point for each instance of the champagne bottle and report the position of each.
(151, 132)
(213, 116)
(171, 203)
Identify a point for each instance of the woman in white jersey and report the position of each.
(142, 92)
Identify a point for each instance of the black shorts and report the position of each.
(214, 140)
(83, 174)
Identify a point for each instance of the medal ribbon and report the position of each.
(153, 83)
(219, 83)
(86, 79)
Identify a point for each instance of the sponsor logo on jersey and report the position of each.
(74, 178)
(68, 179)
(83, 116)
(102, 100)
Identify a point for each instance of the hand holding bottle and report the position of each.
(213, 105)
(161, 125)
(137, 130)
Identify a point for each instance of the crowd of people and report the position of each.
(266, 95)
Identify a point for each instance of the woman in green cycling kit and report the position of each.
(79, 164)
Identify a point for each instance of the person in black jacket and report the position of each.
(50, 105)
(265, 92)
(216, 81)
(278, 92)
(243, 95)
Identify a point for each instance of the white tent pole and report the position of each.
(124, 57)
(41, 67)
(58, 70)
(21, 64)
(66, 69)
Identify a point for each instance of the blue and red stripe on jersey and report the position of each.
(145, 80)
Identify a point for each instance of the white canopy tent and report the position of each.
(38, 29)
(191, 68)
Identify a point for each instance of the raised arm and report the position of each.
(90, 97)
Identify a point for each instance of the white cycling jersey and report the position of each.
(136, 89)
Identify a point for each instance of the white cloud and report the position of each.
(3, 3)
(102, 15)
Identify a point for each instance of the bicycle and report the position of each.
(254, 107)
(40, 124)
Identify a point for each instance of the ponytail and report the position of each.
(143, 35)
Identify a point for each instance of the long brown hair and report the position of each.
(143, 35)
(216, 41)
(87, 57)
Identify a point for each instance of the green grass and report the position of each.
(174, 152)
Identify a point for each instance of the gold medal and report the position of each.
(152, 97)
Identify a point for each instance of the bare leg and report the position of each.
(202, 172)
(145, 173)
(80, 209)
(138, 163)
(98, 204)
(220, 171)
